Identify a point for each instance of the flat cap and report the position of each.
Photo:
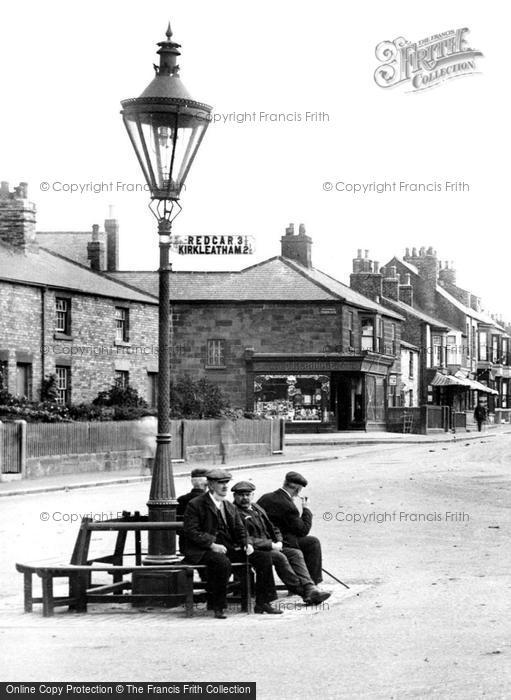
(295, 478)
(218, 475)
(243, 487)
(200, 471)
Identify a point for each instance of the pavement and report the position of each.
(420, 533)
(299, 449)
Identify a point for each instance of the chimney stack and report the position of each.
(96, 251)
(112, 242)
(447, 274)
(366, 278)
(406, 290)
(391, 283)
(297, 247)
(17, 218)
(474, 302)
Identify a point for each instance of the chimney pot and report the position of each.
(297, 248)
(414, 252)
(407, 252)
(366, 253)
(376, 266)
(359, 253)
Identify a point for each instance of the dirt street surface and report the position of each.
(419, 532)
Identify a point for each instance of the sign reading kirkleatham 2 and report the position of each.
(427, 62)
(215, 244)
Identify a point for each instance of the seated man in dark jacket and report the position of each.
(266, 537)
(200, 486)
(214, 535)
(295, 528)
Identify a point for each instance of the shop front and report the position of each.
(318, 394)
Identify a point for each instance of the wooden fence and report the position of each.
(20, 441)
(418, 419)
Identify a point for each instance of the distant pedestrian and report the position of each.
(146, 429)
(227, 438)
(480, 415)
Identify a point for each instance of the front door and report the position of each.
(348, 401)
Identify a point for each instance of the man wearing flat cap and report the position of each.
(302, 550)
(265, 537)
(199, 486)
(214, 535)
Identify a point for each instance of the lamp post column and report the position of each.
(162, 497)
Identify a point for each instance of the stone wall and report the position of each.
(58, 465)
(267, 328)
(90, 349)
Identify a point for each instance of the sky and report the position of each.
(66, 66)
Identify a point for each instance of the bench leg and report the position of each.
(189, 593)
(27, 591)
(47, 585)
(78, 584)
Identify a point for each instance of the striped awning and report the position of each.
(448, 380)
(458, 380)
(481, 387)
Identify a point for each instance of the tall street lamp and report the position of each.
(166, 127)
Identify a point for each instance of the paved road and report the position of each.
(427, 614)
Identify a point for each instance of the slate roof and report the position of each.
(46, 268)
(478, 315)
(71, 244)
(407, 309)
(275, 279)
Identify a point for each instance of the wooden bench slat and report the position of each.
(81, 568)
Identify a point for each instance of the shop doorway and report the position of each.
(348, 400)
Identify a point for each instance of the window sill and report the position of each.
(215, 367)
(62, 336)
(123, 343)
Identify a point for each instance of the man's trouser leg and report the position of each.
(265, 583)
(311, 548)
(285, 571)
(218, 572)
(297, 563)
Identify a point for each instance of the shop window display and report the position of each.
(296, 398)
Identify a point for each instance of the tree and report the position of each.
(196, 399)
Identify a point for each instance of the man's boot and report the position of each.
(313, 596)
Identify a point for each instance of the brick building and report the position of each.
(284, 339)
(60, 317)
(464, 352)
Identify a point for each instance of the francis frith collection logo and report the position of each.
(425, 63)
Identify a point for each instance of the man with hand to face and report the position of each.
(301, 549)
(214, 535)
